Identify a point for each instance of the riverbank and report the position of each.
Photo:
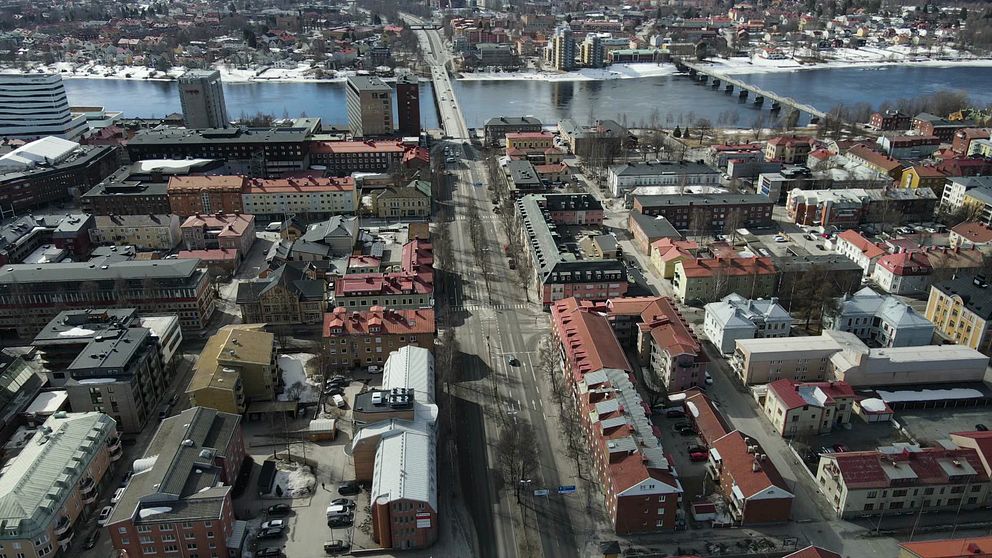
(301, 73)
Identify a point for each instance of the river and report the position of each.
(668, 100)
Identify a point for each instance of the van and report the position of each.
(337, 511)
(338, 401)
(273, 227)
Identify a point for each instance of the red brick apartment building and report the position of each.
(642, 490)
(178, 502)
(890, 120)
(752, 488)
(190, 195)
(345, 157)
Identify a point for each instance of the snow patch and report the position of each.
(929, 395)
(294, 480)
(873, 405)
(692, 408)
(76, 332)
(294, 375)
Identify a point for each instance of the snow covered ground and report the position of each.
(293, 369)
(866, 58)
(294, 480)
(616, 71)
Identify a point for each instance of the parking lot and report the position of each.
(929, 425)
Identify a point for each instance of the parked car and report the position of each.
(680, 426)
(271, 533)
(708, 379)
(346, 502)
(349, 488)
(780, 238)
(698, 456)
(339, 401)
(279, 509)
(697, 449)
(675, 413)
(840, 448)
(340, 521)
(334, 390)
(981, 427)
(173, 400)
(512, 360)
(336, 546)
(274, 523)
(91, 539)
(104, 516)
(687, 432)
(118, 494)
(270, 552)
(273, 227)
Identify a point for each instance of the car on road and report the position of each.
(680, 425)
(336, 546)
(279, 509)
(118, 494)
(687, 432)
(708, 379)
(349, 488)
(173, 400)
(697, 449)
(981, 427)
(274, 523)
(674, 413)
(512, 360)
(104, 516)
(270, 552)
(698, 456)
(346, 502)
(271, 533)
(91, 539)
(840, 448)
(449, 160)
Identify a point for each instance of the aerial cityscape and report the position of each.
(496, 279)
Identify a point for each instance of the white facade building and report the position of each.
(34, 106)
(735, 317)
(883, 321)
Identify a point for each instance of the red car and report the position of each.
(697, 456)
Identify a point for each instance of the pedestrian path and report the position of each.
(473, 307)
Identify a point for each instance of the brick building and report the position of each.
(708, 212)
(190, 195)
(367, 337)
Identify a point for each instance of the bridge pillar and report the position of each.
(776, 106)
(703, 78)
(715, 84)
(728, 89)
(792, 119)
(814, 120)
(759, 100)
(742, 95)
(692, 72)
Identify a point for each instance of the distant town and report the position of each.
(587, 336)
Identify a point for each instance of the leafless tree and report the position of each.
(516, 455)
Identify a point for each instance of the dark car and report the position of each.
(674, 413)
(279, 509)
(981, 427)
(271, 552)
(840, 448)
(687, 432)
(333, 390)
(336, 546)
(681, 426)
(340, 521)
(512, 360)
(173, 400)
(91, 539)
(349, 488)
(271, 532)
(350, 504)
(697, 449)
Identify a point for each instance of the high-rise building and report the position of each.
(35, 105)
(592, 51)
(370, 107)
(561, 49)
(202, 97)
(408, 105)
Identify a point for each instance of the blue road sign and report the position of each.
(541, 492)
(569, 489)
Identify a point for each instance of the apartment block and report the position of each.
(881, 321)
(144, 232)
(798, 409)
(367, 337)
(497, 127)
(708, 212)
(411, 287)
(370, 107)
(343, 158)
(49, 487)
(295, 293)
(961, 310)
(179, 500)
(309, 198)
(760, 361)
(236, 367)
(198, 194)
(735, 317)
(50, 170)
(623, 178)
(859, 250)
(231, 231)
(412, 200)
(647, 230)
(703, 280)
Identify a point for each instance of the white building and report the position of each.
(145, 232)
(735, 317)
(882, 321)
(956, 188)
(624, 178)
(859, 250)
(927, 364)
(35, 105)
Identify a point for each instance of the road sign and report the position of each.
(569, 489)
(541, 492)
(423, 521)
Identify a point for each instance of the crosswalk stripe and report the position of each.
(471, 307)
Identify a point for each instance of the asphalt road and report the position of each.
(494, 320)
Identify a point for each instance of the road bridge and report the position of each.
(703, 73)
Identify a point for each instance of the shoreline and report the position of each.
(727, 66)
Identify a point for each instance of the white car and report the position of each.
(780, 238)
(708, 379)
(104, 516)
(117, 495)
(274, 523)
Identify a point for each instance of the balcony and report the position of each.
(62, 526)
(114, 443)
(66, 536)
(87, 489)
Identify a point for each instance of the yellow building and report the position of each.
(236, 365)
(704, 280)
(961, 309)
(923, 176)
(529, 140)
(412, 200)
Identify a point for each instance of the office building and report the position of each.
(34, 106)
(735, 317)
(178, 501)
(561, 49)
(370, 107)
(142, 188)
(592, 53)
(343, 158)
(807, 408)
(881, 321)
(961, 309)
(47, 489)
(151, 286)
(201, 95)
(52, 170)
(497, 127)
(399, 455)
(904, 478)
(236, 367)
(408, 105)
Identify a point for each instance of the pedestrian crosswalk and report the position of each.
(480, 217)
(474, 307)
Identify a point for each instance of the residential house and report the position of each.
(890, 120)
(751, 485)
(220, 230)
(708, 212)
(760, 361)
(961, 309)
(927, 124)
(191, 195)
(880, 321)
(882, 165)
(295, 293)
(666, 344)
(666, 252)
(367, 337)
(703, 280)
(412, 200)
(798, 409)
(859, 250)
(236, 367)
(735, 317)
(789, 149)
(924, 175)
(971, 234)
(412, 286)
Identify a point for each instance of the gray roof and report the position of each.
(655, 227)
(701, 199)
(735, 310)
(976, 298)
(111, 353)
(177, 477)
(513, 121)
(143, 221)
(368, 83)
(523, 173)
(651, 168)
(166, 136)
(36, 484)
(290, 276)
(67, 272)
(81, 326)
(607, 128)
(338, 226)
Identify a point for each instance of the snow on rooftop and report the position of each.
(96, 381)
(692, 409)
(76, 332)
(148, 512)
(928, 395)
(873, 405)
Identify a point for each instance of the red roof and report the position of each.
(873, 157)
(980, 441)
(813, 552)
(215, 255)
(669, 330)
(669, 249)
(200, 182)
(391, 322)
(587, 337)
(341, 147)
(300, 185)
(706, 267)
(974, 232)
(977, 547)
(750, 473)
(787, 392)
(866, 246)
(906, 264)
(866, 469)
(230, 224)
